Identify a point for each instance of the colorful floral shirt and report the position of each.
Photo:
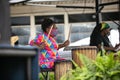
(49, 54)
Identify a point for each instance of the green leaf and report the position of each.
(114, 73)
(104, 67)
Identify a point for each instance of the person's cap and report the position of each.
(105, 26)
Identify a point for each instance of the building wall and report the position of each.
(81, 21)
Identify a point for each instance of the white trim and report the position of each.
(66, 22)
(32, 27)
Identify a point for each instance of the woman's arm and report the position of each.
(107, 48)
(41, 46)
(66, 43)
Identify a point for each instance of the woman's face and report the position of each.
(107, 32)
(52, 30)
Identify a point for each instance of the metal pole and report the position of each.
(119, 18)
(97, 16)
(87, 7)
(98, 13)
(4, 22)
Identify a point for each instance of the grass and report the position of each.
(51, 76)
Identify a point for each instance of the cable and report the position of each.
(84, 5)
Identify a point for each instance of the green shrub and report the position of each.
(105, 67)
(51, 76)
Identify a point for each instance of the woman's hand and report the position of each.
(66, 43)
(42, 45)
(117, 47)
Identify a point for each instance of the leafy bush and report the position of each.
(51, 76)
(105, 67)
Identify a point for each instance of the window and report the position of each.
(81, 30)
(106, 16)
(21, 28)
(81, 18)
(22, 20)
(56, 18)
(23, 32)
(110, 16)
(60, 37)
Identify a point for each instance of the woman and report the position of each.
(47, 44)
(100, 35)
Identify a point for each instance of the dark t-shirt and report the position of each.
(95, 40)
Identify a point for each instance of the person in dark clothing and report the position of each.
(100, 35)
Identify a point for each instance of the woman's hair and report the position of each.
(46, 24)
(100, 27)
